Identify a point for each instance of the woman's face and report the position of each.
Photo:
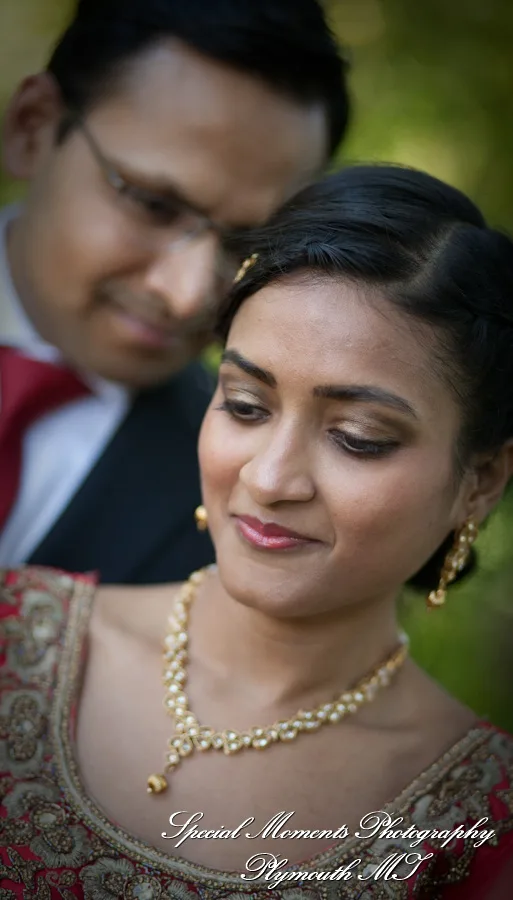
(329, 421)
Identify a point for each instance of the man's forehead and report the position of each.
(176, 74)
(232, 146)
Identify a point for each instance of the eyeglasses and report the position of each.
(162, 210)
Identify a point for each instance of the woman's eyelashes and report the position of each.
(359, 446)
(244, 411)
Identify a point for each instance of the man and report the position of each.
(159, 129)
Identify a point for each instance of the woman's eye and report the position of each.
(361, 446)
(248, 412)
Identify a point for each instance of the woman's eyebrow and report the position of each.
(361, 393)
(233, 356)
(367, 394)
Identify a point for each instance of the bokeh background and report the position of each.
(433, 87)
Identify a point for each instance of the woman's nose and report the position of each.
(279, 472)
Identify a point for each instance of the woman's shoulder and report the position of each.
(457, 733)
(495, 734)
(34, 606)
(476, 771)
(137, 611)
(28, 588)
(491, 754)
(465, 803)
(487, 769)
(482, 744)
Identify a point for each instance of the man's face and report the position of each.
(109, 266)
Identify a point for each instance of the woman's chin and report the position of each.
(271, 591)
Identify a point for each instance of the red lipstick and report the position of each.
(270, 536)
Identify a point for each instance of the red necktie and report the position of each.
(29, 388)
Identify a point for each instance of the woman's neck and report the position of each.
(288, 660)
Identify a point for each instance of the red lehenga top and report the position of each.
(55, 844)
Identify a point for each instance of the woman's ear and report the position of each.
(488, 481)
(30, 123)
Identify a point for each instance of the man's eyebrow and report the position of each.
(237, 359)
(365, 394)
(165, 186)
(159, 183)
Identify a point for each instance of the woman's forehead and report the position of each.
(319, 331)
(326, 328)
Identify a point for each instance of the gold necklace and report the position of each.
(190, 735)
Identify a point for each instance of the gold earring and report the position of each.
(245, 267)
(455, 561)
(201, 516)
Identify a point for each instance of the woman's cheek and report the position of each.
(218, 455)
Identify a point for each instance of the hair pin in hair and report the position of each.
(245, 267)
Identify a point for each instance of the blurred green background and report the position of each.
(432, 84)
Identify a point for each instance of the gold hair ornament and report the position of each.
(245, 267)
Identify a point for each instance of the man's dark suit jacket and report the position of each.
(132, 519)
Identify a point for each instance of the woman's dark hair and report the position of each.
(429, 251)
(286, 43)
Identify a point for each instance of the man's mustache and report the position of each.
(155, 312)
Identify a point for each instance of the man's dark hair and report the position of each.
(428, 251)
(286, 43)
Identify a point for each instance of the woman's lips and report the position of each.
(270, 536)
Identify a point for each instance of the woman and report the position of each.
(360, 434)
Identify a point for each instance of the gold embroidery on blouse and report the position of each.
(448, 793)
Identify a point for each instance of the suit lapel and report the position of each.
(141, 491)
